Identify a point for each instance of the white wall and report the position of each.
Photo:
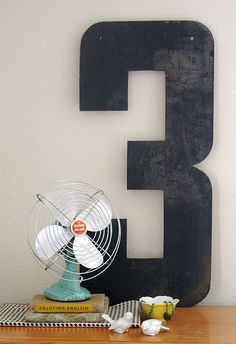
(44, 137)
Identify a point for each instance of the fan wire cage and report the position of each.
(52, 240)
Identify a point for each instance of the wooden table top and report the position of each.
(197, 324)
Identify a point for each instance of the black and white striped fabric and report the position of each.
(14, 314)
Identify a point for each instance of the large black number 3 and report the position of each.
(184, 50)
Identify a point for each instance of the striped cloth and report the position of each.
(14, 314)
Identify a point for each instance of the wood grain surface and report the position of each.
(197, 324)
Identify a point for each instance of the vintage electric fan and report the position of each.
(73, 224)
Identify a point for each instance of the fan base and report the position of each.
(64, 291)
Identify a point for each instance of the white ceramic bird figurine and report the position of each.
(120, 325)
(151, 327)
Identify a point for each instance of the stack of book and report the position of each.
(44, 310)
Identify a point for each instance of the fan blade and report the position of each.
(62, 208)
(86, 252)
(50, 240)
(97, 216)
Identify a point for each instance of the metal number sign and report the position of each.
(184, 50)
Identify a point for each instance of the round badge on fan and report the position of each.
(78, 227)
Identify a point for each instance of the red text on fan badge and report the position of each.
(78, 227)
